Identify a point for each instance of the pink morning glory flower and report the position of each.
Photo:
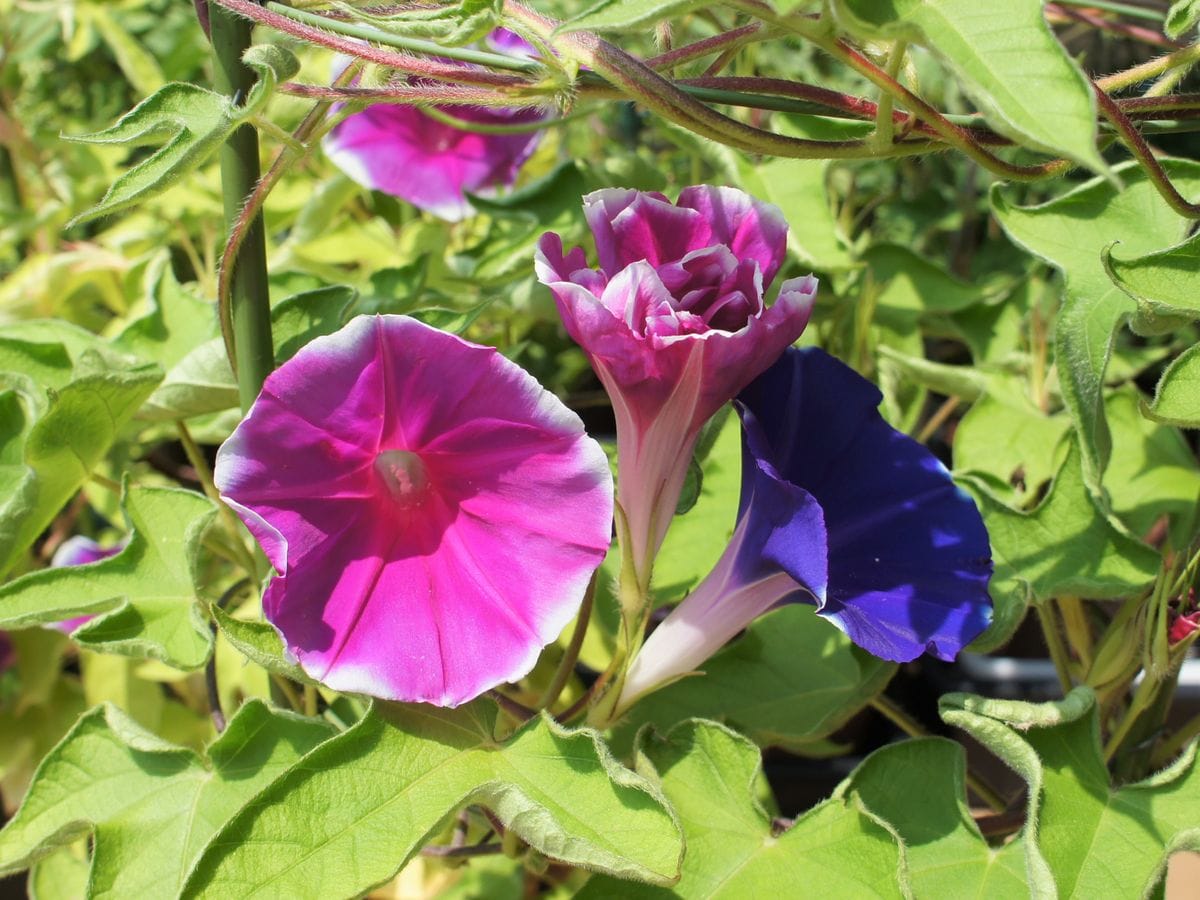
(837, 509)
(79, 551)
(400, 150)
(433, 513)
(675, 324)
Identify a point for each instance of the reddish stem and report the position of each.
(1121, 29)
(1141, 150)
(412, 65)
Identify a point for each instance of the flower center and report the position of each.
(405, 476)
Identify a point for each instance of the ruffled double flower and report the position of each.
(674, 323)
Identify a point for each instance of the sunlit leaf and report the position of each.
(150, 805)
(145, 598)
(1066, 545)
(1177, 399)
(918, 788)
(1008, 60)
(1096, 841)
(792, 679)
(362, 804)
(709, 774)
(1071, 232)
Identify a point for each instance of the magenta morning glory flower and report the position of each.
(79, 551)
(837, 509)
(434, 514)
(674, 324)
(403, 151)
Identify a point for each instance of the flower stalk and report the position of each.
(250, 313)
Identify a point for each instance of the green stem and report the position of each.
(1171, 747)
(314, 125)
(1054, 643)
(1142, 698)
(720, 43)
(1188, 56)
(956, 137)
(633, 79)
(910, 726)
(1078, 630)
(413, 45)
(254, 354)
(1141, 150)
(884, 124)
(204, 475)
(1121, 9)
(287, 691)
(446, 118)
(567, 664)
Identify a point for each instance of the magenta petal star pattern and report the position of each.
(433, 513)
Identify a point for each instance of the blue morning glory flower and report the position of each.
(837, 509)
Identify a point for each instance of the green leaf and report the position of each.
(1097, 841)
(1165, 286)
(1153, 472)
(54, 432)
(301, 317)
(1066, 545)
(1177, 398)
(136, 63)
(709, 774)
(260, 643)
(201, 382)
(1071, 232)
(177, 320)
(965, 382)
(456, 321)
(798, 188)
(60, 876)
(1006, 437)
(1182, 16)
(791, 680)
(918, 788)
(1006, 58)
(363, 803)
(909, 286)
(31, 729)
(149, 805)
(626, 15)
(145, 598)
(194, 121)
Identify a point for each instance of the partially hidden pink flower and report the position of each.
(79, 550)
(675, 324)
(401, 150)
(433, 513)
